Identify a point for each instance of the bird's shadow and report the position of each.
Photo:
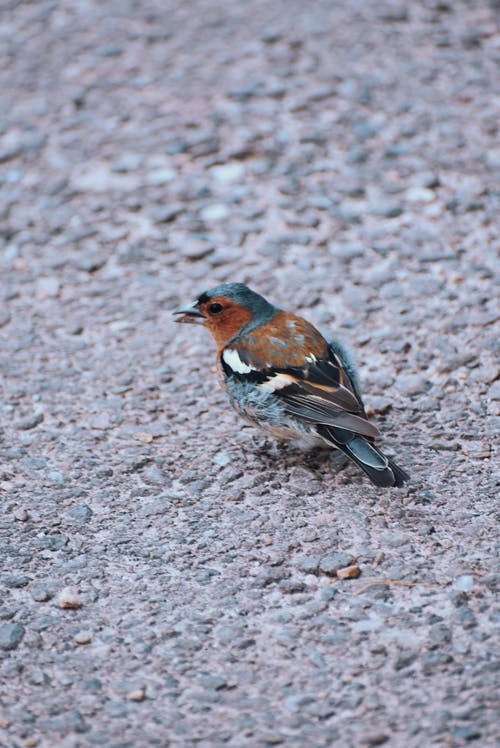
(318, 460)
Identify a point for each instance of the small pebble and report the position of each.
(143, 437)
(161, 176)
(419, 195)
(30, 422)
(331, 563)
(40, 593)
(411, 384)
(387, 210)
(69, 597)
(137, 695)
(21, 515)
(222, 459)
(308, 564)
(215, 212)
(16, 581)
(47, 287)
(11, 635)
(350, 572)
(375, 740)
(425, 179)
(464, 583)
(227, 173)
(80, 514)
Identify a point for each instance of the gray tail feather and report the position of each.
(380, 469)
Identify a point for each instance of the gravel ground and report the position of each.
(169, 577)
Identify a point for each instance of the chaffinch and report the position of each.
(281, 374)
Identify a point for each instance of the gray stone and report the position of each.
(292, 585)
(357, 155)
(428, 179)
(395, 149)
(387, 209)
(440, 634)
(214, 212)
(227, 173)
(90, 263)
(371, 741)
(16, 580)
(80, 514)
(332, 562)
(466, 617)
(11, 635)
(165, 213)
(364, 129)
(271, 575)
(411, 384)
(29, 422)
(435, 661)
(346, 252)
(54, 542)
(308, 564)
(40, 592)
(419, 195)
(464, 583)
(213, 681)
(466, 732)
(99, 178)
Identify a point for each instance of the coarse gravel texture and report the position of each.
(168, 575)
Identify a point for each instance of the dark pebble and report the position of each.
(11, 635)
(216, 682)
(29, 422)
(308, 564)
(17, 580)
(52, 542)
(405, 660)
(356, 155)
(91, 263)
(292, 585)
(373, 740)
(440, 634)
(165, 213)
(80, 514)
(104, 471)
(387, 210)
(466, 732)
(271, 575)
(466, 617)
(4, 317)
(435, 661)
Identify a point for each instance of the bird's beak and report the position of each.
(190, 314)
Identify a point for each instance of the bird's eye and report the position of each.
(215, 308)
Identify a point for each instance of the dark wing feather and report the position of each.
(316, 410)
(318, 392)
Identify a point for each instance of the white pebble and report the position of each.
(215, 212)
(419, 195)
(227, 173)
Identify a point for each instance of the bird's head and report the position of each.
(226, 309)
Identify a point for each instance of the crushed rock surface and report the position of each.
(168, 576)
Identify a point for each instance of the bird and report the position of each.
(282, 375)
